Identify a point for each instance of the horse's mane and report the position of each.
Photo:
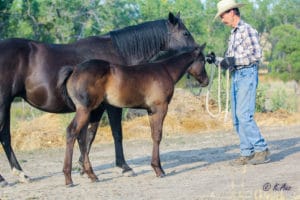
(166, 55)
(140, 40)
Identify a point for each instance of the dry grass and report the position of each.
(187, 115)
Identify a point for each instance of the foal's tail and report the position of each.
(63, 76)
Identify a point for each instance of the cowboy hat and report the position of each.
(225, 5)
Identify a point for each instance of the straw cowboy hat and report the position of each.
(225, 5)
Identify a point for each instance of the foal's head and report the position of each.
(197, 68)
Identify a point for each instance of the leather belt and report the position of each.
(238, 67)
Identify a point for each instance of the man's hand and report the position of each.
(228, 63)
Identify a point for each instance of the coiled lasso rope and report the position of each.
(219, 93)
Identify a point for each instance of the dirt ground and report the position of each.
(197, 167)
(195, 154)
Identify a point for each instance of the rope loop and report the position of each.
(216, 115)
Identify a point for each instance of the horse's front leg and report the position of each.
(156, 122)
(78, 124)
(115, 118)
(5, 140)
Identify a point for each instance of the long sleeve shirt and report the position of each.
(243, 44)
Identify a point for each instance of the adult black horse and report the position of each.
(30, 69)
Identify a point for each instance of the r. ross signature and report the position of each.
(277, 187)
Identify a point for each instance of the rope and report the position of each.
(219, 93)
(189, 84)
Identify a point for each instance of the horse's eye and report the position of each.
(186, 33)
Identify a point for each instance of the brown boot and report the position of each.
(242, 160)
(260, 157)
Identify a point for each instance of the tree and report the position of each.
(285, 56)
(4, 17)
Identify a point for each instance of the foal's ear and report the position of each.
(173, 19)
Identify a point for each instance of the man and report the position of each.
(241, 58)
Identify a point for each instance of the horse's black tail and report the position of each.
(63, 76)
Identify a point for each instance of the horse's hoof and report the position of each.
(22, 177)
(3, 184)
(25, 179)
(128, 173)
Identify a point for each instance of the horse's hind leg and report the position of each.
(115, 118)
(5, 139)
(3, 183)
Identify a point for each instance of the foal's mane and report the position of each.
(140, 40)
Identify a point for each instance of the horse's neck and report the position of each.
(91, 45)
(177, 66)
(97, 47)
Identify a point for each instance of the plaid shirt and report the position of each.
(243, 44)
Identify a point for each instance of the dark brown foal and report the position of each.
(148, 86)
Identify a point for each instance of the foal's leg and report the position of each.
(78, 124)
(115, 118)
(87, 168)
(5, 139)
(91, 133)
(156, 122)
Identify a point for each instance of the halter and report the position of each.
(197, 93)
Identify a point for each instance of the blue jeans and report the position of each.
(243, 97)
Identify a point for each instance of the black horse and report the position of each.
(29, 69)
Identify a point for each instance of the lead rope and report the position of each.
(219, 93)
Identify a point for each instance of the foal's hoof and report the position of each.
(161, 175)
(95, 180)
(70, 185)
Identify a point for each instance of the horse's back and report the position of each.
(13, 48)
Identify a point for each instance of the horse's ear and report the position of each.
(173, 19)
(178, 15)
(202, 46)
